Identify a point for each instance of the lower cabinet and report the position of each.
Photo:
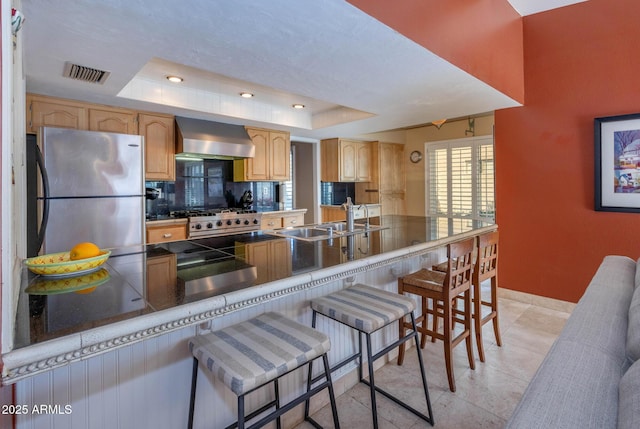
(162, 280)
(272, 259)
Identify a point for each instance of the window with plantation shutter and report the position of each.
(460, 182)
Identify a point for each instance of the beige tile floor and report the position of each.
(485, 397)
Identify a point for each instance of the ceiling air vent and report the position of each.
(86, 74)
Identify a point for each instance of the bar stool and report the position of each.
(442, 289)
(485, 267)
(251, 354)
(367, 309)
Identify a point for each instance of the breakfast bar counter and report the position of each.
(169, 286)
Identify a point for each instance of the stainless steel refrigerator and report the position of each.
(90, 187)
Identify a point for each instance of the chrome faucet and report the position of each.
(366, 213)
(348, 207)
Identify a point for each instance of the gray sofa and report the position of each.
(591, 376)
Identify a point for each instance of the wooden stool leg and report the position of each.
(467, 327)
(448, 346)
(424, 323)
(494, 308)
(434, 320)
(477, 319)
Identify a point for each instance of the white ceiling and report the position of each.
(354, 74)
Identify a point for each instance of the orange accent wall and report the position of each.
(581, 62)
(483, 38)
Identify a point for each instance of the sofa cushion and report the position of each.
(629, 400)
(633, 332)
(601, 318)
(575, 387)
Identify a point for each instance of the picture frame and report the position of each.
(617, 163)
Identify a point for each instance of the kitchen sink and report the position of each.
(323, 231)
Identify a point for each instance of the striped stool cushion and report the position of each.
(251, 353)
(364, 307)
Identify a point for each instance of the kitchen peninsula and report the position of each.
(171, 291)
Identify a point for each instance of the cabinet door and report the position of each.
(44, 112)
(258, 254)
(279, 152)
(392, 167)
(363, 162)
(331, 214)
(159, 141)
(348, 159)
(113, 121)
(162, 280)
(257, 168)
(280, 254)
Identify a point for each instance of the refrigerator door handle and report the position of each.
(45, 191)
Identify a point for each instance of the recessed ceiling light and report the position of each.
(298, 106)
(246, 94)
(174, 79)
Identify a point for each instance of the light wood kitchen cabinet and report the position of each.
(345, 160)
(160, 232)
(392, 178)
(113, 120)
(337, 214)
(158, 130)
(282, 219)
(45, 111)
(162, 279)
(271, 159)
(159, 140)
(271, 257)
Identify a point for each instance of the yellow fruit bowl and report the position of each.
(60, 264)
(84, 283)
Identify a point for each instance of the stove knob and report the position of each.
(256, 221)
(246, 221)
(198, 226)
(210, 225)
(219, 223)
(237, 221)
(229, 222)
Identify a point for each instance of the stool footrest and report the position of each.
(289, 406)
(404, 405)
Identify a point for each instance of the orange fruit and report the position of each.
(86, 291)
(83, 251)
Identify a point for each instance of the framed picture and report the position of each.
(617, 163)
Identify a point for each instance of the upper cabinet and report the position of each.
(159, 140)
(345, 160)
(45, 111)
(271, 160)
(113, 120)
(391, 167)
(157, 129)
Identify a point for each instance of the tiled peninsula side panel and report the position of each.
(147, 384)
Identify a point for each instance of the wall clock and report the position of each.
(415, 156)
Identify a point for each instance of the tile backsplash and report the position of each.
(207, 184)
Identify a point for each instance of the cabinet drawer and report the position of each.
(296, 220)
(271, 222)
(160, 234)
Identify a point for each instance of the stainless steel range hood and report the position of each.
(212, 140)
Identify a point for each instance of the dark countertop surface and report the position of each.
(167, 276)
